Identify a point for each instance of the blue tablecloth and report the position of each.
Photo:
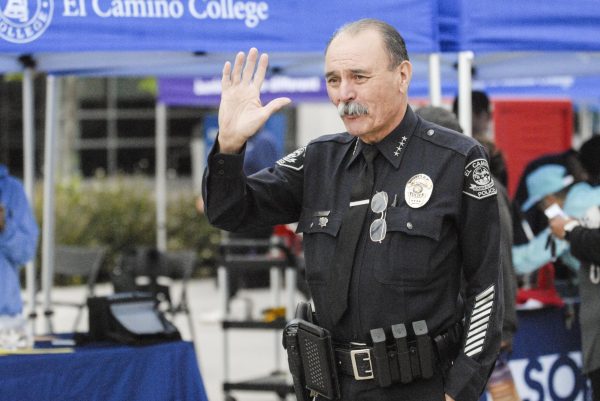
(105, 372)
(546, 358)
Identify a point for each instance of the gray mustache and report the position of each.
(352, 109)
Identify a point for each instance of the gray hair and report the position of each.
(392, 39)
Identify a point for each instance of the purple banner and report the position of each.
(207, 91)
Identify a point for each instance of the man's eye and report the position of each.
(332, 81)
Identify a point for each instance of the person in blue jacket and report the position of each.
(18, 240)
(261, 152)
(551, 184)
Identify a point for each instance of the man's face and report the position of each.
(481, 124)
(357, 72)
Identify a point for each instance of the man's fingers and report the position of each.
(226, 78)
(237, 67)
(276, 104)
(250, 65)
(261, 71)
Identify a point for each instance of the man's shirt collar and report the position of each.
(393, 146)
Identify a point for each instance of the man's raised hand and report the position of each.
(241, 113)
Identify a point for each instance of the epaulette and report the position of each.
(342, 137)
(295, 160)
(445, 137)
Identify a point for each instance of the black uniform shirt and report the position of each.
(415, 272)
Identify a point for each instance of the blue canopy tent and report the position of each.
(170, 37)
(521, 39)
(100, 36)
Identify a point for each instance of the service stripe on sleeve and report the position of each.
(480, 317)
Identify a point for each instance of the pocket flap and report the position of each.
(414, 222)
(318, 221)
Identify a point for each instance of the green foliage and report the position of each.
(189, 229)
(121, 213)
(148, 85)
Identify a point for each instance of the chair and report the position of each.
(150, 270)
(77, 261)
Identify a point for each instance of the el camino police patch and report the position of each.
(294, 160)
(479, 183)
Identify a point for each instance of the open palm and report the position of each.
(241, 113)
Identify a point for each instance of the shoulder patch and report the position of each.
(479, 183)
(294, 160)
(343, 137)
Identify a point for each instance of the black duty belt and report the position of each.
(402, 360)
(410, 354)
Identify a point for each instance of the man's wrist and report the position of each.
(228, 147)
(230, 150)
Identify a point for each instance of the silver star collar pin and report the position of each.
(400, 146)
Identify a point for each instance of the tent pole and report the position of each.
(586, 122)
(161, 176)
(197, 151)
(29, 181)
(465, 62)
(435, 80)
(52, 96)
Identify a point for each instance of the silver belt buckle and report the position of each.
(353, 355)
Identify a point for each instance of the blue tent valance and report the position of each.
(201, 25)
(524, 25)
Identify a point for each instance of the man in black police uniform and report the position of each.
(438, 218)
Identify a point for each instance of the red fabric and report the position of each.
(292, 240)
(545, 291)
(527, 128)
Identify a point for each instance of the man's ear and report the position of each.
(404, 76)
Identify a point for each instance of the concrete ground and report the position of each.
(252, 353)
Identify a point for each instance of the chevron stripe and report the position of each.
(479, 322)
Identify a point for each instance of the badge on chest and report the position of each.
(418, 190)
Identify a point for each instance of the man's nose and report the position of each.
(347, 91)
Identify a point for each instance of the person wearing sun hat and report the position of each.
(550, 184)
(546, 181)
(583, 164)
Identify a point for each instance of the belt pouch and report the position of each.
(382, 365)
(443, 351)
(424, 348)
(413, 354)
(318, 360)
(291, 344)
(399, 333)
(394, 369)
(447, 345)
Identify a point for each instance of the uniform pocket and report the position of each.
(320, 230)
(414, 235)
